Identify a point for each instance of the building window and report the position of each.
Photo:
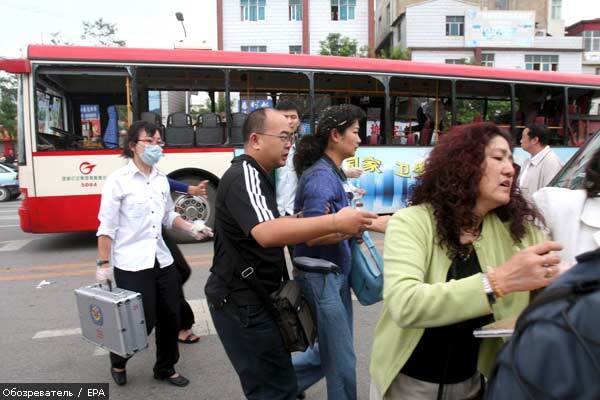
(556, 9)
(455, 26)
(501, 4)
(591, 40)
(455, 60)
(295, 7)
(487, 59)
(295, 49)
(254, 49)
(342, 10)
(541, 62)
(253, 10)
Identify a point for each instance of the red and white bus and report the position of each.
(75, 101)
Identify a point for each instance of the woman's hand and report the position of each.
(199, 189)
(529, 269)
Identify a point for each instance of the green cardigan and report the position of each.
(416, 295)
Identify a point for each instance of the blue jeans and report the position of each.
(332, 356)
(253, 343)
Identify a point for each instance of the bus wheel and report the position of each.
(192, 208)
(4, 194)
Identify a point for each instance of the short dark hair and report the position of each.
(255, 122)
(592, 175)
(287, 105)
(133, 135)
(538, 131)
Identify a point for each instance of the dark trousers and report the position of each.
(186, 312)
(254, 346)
(160, 292)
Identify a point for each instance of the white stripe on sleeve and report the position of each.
(251, 195)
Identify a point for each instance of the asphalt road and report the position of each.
(40, 341)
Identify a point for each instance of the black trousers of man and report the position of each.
(160, 290)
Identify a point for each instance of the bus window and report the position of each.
(584, 114)
(253, 89)
(75, 106)
(544, 105)
(478, 101)
(421, 108)
(363, 91)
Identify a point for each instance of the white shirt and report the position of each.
(535, 160)
(132, 210)
(285, 188)
(573, 219)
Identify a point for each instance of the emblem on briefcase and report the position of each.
(96, 314)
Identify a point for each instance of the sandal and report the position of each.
(191, 338)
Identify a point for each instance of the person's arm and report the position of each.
(283, 231)
(177, 186)
(380, 224)
(110, 205)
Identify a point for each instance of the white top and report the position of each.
(285, 187)
(535, 160)
(573, 219)
(132, 210)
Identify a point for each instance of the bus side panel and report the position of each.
(389, 173)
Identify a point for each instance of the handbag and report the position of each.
(287, 305)
(366, 276)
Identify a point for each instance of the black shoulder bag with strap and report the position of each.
(287, 305)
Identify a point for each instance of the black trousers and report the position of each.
(186, 312)
(254, 346)
(160, 290)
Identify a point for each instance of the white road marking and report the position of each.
(9, 226)
(57, 333)
(14, 211)
(14, 245)
(13, 217)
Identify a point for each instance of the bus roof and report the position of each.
(298, 61)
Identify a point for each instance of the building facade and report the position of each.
(460, 31)
(292, 26)
(589, 31)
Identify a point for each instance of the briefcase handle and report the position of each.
(109, 283)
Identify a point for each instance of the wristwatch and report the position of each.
(100, 262)
(487, 287)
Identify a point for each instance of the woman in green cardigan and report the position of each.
(464, 254)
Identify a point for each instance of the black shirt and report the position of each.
(448, 354)
(245, 198)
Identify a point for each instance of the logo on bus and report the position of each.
(86, 168)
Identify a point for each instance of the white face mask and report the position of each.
(152, 154)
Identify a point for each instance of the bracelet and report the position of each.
(334, 227)
(494, 283)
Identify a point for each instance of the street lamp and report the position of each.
(179, 17)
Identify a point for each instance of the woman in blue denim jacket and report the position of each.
(323, 189)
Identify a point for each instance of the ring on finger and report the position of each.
(549, 273)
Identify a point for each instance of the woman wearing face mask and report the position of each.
(135, 203)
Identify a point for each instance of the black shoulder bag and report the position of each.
(287, 305)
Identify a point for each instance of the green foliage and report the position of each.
(8, 103)
(196, 110)
(101, 33)
(337, 45)
(397, 53)
(57, 40)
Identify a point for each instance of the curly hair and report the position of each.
(450, 184)
(312, 147)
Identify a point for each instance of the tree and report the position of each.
(101, 33)
(57, 40)
(8, 103)
(337, 45)
(397, 53)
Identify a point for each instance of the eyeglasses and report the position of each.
(291, 138)
(150, 141)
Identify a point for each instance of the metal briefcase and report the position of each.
(112, 319)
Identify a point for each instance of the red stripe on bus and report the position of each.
(105, 152)
(60, 213)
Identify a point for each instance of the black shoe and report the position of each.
(301, 396)
(120, 377)
(180, 381)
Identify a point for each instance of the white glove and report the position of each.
(104, 274)
(199, 230)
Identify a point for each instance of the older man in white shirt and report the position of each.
(136, 201)
(544, 164)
